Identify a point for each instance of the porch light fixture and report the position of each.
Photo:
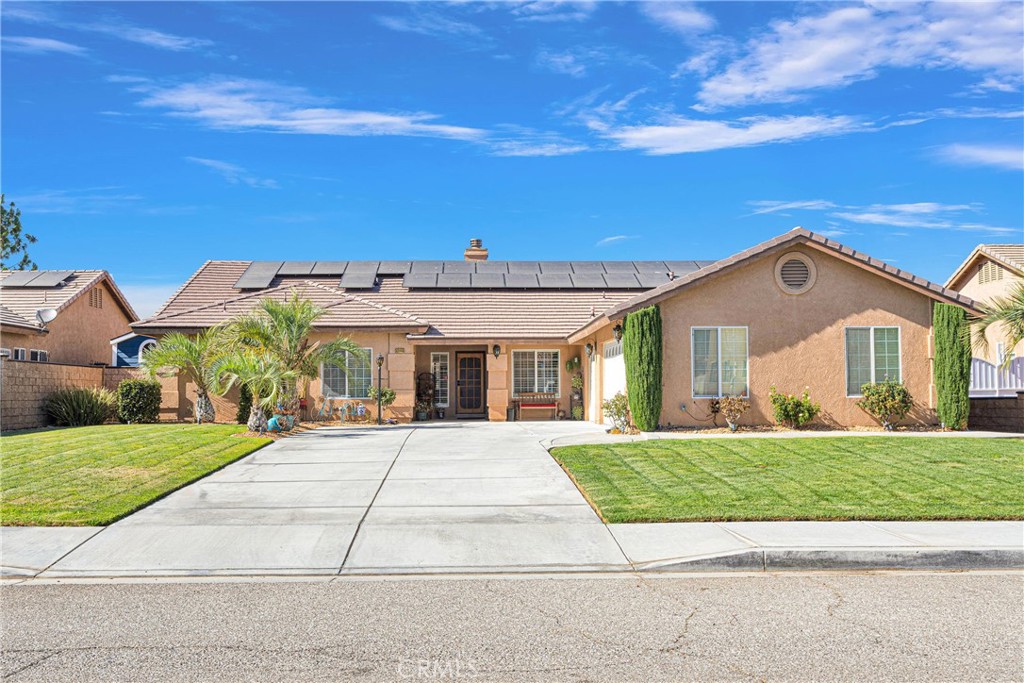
(617, 331)
(589, 348)
(380, 394)
(496, 350)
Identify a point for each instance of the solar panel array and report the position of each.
(36, 278)
(477, 274)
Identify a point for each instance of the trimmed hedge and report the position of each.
(952, 365)
(641, 345)
(138, 401)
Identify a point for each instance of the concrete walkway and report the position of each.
(454, 498)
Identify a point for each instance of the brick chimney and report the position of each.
(476, 250)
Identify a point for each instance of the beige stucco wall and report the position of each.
(797, 341)
(80, 334)
(969, 285)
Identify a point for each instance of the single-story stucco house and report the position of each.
(797, 311)
(61, 316)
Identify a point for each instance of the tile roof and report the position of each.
(1009, 255)
(9, 317)
(25, 301)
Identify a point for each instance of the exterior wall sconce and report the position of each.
(496, 350)
(617, 331)
(589, 348)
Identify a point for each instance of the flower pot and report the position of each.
(421, 416)
(733, 426)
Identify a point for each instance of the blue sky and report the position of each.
(145, 138)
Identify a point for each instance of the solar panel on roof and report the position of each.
(358, 280)
(362, 267)
(459, 267)
(296, 268)
(492, 266)
(419, 280)
(329, 267)
(621, 280)
(555, 267)
(487, 281)
(619, 267)
(531, 267)
(521, 280)
(427, 266)
(393, 268)
(650, 266)
(20, 278)
(587, 267)
(258, 275)
(555, 280)
(50, 278)
(453, 280)
(588, 281)
(650, 279)
(681, 267)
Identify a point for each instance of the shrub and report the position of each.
(577, 412)
(641, 345)
(888, 402)
(244, 405)
(616, 409)
(791, 411)
(952, 365)
(387, 396)
(80, 407)
(733, 408)
(138, 400)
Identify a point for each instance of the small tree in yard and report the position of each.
(641, 345)
(263, 374)
(13, 241)
(888, 402)
(952, 365)
(192, 356)
(616, 409)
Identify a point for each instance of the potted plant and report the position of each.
(422, 411)
(733, 408)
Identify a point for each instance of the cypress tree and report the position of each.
(641, 345)
(952, 365)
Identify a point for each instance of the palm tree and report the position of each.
(1008, 310)
(190, 356)
(282, 329)
(262, 374)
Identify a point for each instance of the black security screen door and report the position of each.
(470, 388)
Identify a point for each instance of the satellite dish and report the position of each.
(46, 315)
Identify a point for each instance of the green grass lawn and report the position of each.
(95, 475)
(808, 478)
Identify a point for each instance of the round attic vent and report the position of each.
(795, 273)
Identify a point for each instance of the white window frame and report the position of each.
(718, 336)
(448, 379)
(536, 375)
(324, 389)
(871, 344)
(41, 355)
(5, 353)
(142, 347)
(19, 354)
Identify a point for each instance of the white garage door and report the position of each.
(613, 377)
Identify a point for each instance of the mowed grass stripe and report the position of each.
(884, 478)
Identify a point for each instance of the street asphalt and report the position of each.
(917, 626)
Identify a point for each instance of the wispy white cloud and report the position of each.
(243, 104)
(679, 135)
(840, 46)
(437, 25)
(775, 206)
(552, 11)
(614, 239)
(90, 200)
(1009, 157)
(680, 17)
(33, 45)
(569, 62)
(235, 174)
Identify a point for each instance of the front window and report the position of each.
(356, 383)
(719, 361)
(439, 368)
(872, 355)
(535, 372)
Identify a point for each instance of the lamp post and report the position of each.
(380, 395)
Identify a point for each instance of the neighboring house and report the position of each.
(796, 311)
(61, 316)
(126, 350)
(991, 271)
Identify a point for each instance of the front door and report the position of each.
(469, 385)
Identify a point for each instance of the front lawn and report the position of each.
(906, 478)
(95, 475)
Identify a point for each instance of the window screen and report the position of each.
(356, 383)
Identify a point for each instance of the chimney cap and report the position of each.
(476, 250)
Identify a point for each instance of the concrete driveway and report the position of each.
(443, 497)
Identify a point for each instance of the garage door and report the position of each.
(613, 377)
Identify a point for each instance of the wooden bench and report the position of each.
(537, 401)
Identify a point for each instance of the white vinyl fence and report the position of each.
(988, 380)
